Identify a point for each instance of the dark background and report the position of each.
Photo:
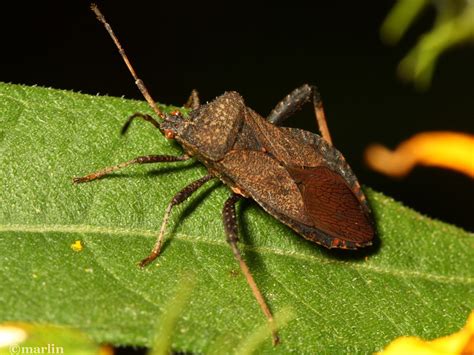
(264, 52)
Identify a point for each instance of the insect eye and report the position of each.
(169, 134)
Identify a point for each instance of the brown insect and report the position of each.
(296, 176)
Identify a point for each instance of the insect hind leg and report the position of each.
(231, 229)
(294, 101)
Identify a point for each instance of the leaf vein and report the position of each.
(264, 250)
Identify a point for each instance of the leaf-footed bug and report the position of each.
(296, 176)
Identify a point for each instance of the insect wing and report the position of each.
(331, 205)
(266, 181)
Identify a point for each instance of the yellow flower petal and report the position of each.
(11, 335)
(443, 149)
(460, 343)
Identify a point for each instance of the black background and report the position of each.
(262, 50)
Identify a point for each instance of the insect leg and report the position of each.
(146, 159)
(143, 116)
(295, 101)
(231, 229)
(193, 102)
(176, 200)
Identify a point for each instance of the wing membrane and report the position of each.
(331, 205)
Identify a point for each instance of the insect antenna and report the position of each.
(139, 82)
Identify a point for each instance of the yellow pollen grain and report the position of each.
(77, 246)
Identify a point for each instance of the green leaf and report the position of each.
(418, 281)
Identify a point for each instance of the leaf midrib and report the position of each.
(86, 229)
